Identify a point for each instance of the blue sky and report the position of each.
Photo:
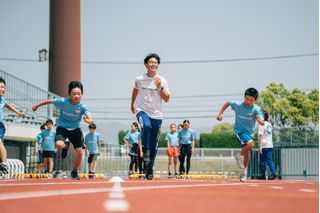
(179, 30)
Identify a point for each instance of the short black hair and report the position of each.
(186, 121)
(92, 126)
(75, 84)
(43, 126)
(2, 81)
(152, 55)
(252, 92)
(49, 121)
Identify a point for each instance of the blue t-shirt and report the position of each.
(186, 136)
(245, 117)
(70, 115)
(132, 137)
(92, 141)
(48, 142)
(3, 103)
(172, 138)
(39, 140)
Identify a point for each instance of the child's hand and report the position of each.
(34, 108)
(22, 113)
(219, 117)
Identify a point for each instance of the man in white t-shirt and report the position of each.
(146, 102)
(266, 149)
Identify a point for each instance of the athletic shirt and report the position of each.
(93, 140)
(3, 103)
(132, 137)
(39, 140)
(48, 142)
(186, 136)
(172, 138)
(70, 115)
(149, 99)
(245, 117)
(266, 132)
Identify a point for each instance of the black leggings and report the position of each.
(134, 160)
(185, 150)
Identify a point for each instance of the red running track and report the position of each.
(159, 196)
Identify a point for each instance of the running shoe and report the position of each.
(243, 177)
(3, 168)
(272, 177)
(261, 177)
(74, 175)
(149, 174)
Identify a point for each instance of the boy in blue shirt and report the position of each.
(93, 145)
(38, 148)
(48, 148)
(247, 113)
(4, 104)
(72, 110)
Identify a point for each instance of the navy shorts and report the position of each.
(48, 154)
(244, 138)
(75, 136)
(92, 157)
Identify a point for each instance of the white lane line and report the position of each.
(307, 190)
(276, 187)
(253, 185)
(34, 194)
(116, 201)
(53, 183)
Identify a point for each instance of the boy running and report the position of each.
(93, 145)
(69, 123)
(48, 146)
(246, 113)
(4, 104)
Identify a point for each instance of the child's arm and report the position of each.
(13, 109)
(88, 119)
(42, 103)
(224, 107)
(260, 121)
(140, 148)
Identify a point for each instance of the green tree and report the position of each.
(290, 108)
(121, 135)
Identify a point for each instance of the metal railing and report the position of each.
(24, 95)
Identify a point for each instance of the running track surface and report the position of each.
(165, 196)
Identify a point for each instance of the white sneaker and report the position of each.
(243, 177)
(239, 159)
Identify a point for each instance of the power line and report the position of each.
(179, 61)
(208, 61)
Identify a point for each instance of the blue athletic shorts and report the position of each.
(244, 138)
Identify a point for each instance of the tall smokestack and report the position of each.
(65, 45)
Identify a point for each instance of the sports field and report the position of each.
(163, 195)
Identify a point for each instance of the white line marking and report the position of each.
(116, 205)
(307, 190)
(276, 187)
(254, 185)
